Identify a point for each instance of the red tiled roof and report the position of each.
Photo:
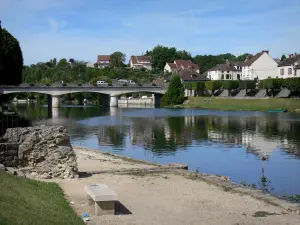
(104, 58)
(172, 65)
(135, 59)
(186, 64)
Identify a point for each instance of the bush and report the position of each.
(213, 85)
(47, 84)
(247, 84)
(79, 85)
(230, 84)
(292, 84)
(200, 86)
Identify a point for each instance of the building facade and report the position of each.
(289, 67)
(261, 66)
(227, 71)
(181, 64)
(139, 62)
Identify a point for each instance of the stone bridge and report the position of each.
(110, 94)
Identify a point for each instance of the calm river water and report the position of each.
(216, 142)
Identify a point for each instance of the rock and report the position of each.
(2, 167)
(11, 170)
(20, 173)
(44, 151)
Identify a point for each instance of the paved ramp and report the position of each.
(261, 93)
(284, 93)
(242, 93)
(225, 93)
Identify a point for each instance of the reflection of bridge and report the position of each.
(109, 93)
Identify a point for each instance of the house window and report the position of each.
(238, 76)
(222, 77)
(222, 71)
(227, 71)
(227, 76)
(282, 72)
(290, 71)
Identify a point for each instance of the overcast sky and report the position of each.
(82, 29)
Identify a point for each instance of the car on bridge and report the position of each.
(126, 81)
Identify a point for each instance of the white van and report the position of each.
(101, 82)
(123, 81)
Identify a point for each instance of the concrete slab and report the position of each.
(100, 192)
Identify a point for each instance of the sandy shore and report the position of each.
(165, 198)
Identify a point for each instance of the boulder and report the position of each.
(44, 151)
(2, 167)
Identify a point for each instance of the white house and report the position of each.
(227, 71)
(261, 66)
(138, 62)
(288, 67)
(181, 64)
(90, 65)
(103, 61)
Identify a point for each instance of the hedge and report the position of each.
(230, 84)
(292, 84)
(213, 85)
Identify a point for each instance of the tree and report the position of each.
(117, 59)
(11, 59)
(283, 57)
(243, 57)
(175, 92)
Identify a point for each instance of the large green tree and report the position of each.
(175, 92)
(161, 55)
(11, 59)
(117, 59)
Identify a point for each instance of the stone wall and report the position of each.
(43, 151)
(9, 154)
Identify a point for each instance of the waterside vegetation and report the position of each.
(26, 201)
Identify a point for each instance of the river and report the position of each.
(228, 143)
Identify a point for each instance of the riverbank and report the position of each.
(292, 105)
(151, 194)
(30, 202)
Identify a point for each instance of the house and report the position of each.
(189, 75)
(261, 66)
(289, 67)
(138, 62)
(90, 65)
(103, 61)
(181, 64)
(227, 71)
(297, 68)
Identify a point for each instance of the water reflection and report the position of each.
(217, 142)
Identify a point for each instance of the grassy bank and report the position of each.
(24, 201)
(292, 105)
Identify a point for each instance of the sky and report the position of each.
(83, 29)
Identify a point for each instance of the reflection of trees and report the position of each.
(112, 135)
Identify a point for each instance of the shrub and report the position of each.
(292, 84)
(200, 86)
(47, 84)
(230, 84)
(247, 84)
(213, 85)
(79, 85)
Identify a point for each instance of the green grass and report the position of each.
(292, 105)
(29, 202)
